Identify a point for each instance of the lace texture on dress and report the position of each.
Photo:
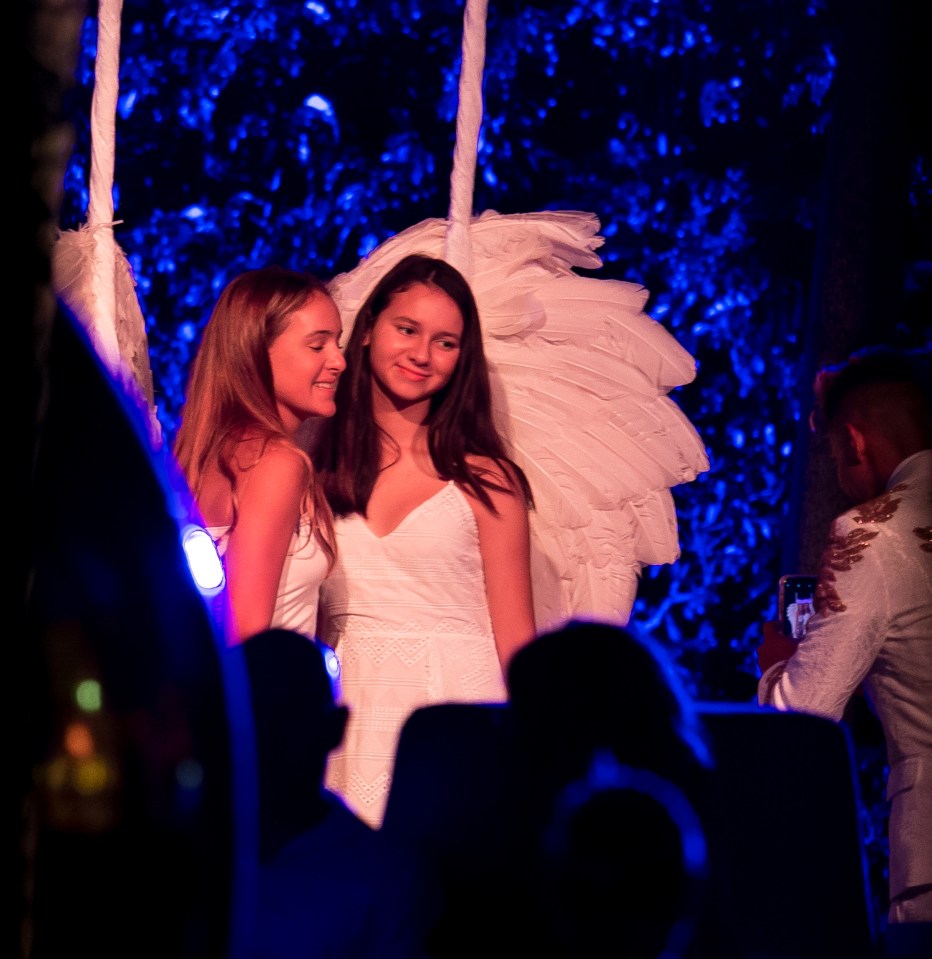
(408, 617)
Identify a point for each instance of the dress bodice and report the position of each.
(408, 616)
(427, 569)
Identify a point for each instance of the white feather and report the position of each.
(75, 264)
(580, 381)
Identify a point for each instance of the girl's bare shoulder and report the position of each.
(279, 457)
(276, 469)
(267, 453)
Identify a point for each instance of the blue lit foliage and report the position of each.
(264, 131)
(305, 134)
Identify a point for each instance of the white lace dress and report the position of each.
(408, 617)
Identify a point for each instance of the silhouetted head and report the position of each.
(590, 686)
(877, 411)
(623, 859)
(297, 719)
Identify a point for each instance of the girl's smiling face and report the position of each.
(307, 362)
(414, 344)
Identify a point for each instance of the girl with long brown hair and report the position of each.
(431, 593)
(269, 360)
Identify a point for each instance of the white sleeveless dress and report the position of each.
(299, 587)
(408, 616)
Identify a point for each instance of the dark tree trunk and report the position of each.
(859, 283)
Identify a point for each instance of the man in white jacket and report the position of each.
(873, 618)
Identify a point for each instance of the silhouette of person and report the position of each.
(586, 689)
(590, 686)
(622, 860)
(329, 886)
(625, 700)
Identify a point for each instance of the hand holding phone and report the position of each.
(775, 647)
(795, 597)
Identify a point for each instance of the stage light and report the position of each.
(332, 663)
(203, 560)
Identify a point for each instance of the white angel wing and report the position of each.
(580, 377)
(90, 273)
(120, 339)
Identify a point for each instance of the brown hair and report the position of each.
(460, 421)
(230, 394)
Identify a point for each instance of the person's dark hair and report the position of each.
(291, 681)
(625, 855)
(298, 721)
(879, 370)
(588, 686)
(460, 423)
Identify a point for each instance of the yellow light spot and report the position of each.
(91, 776)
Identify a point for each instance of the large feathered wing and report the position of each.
(93, 278)
(90, 273)
(580, 377)
(73, 268)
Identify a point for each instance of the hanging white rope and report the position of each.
(90, 273)
(103, 150)
(458, 251)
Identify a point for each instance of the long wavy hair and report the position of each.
(460, 423)
(230, 393)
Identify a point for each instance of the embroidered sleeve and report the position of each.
(925, 538)
(848, 628)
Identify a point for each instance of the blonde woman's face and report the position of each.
(307, 362)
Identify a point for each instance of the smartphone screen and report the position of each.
(794, 603)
